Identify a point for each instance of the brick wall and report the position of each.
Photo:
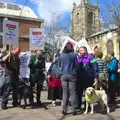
(24, 33)
(24, 26)
(24, 44)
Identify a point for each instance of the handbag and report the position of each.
(102, 77)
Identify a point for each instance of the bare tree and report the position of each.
(54, 31)
(114, 12)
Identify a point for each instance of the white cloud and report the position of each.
(46, 8)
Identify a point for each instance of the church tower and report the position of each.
(85, 20)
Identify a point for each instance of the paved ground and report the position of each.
(54, 113)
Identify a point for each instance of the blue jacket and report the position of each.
(112, 69)
(54, 69)
(68, 63)
(88, 67)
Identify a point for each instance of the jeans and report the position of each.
(69, 88)
(6, 90)
(2, 82)
(10, 82)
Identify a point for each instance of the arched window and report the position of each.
(77, 18)
(90, 17)
(110, 46)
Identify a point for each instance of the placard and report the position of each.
(10, 32)
(36, 39)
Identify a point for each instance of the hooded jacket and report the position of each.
(112, 69)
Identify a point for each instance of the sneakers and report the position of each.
(54, 103)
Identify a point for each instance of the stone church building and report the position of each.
(86, 23)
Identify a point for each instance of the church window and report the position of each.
(77, 18)
(90, 17)
(110, 46)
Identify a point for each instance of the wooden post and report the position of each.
(9, 51)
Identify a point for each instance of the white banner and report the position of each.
(10, 32)
(36, 39)
(24, 62)
(76, 45)
(83, 42)
(68, 40)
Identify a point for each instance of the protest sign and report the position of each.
(36, 39)
(10, 32)
(24, 62)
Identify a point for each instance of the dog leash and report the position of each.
(94, 83)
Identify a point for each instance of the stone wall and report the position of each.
(101, 40)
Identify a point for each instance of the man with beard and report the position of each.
(87, 73)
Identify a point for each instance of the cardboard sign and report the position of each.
(10, 32)
(36, 39)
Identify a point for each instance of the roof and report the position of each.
(102, 32)
(22, 18)
(16, 10)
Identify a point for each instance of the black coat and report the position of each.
(37, 68)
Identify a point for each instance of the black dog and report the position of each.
(25, 91)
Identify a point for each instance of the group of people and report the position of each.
(71, 73)
(67, 76)
(10, 75)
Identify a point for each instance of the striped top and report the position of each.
(102, 66)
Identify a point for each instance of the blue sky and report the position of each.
(45, 8)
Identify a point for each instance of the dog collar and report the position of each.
(89, 99)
